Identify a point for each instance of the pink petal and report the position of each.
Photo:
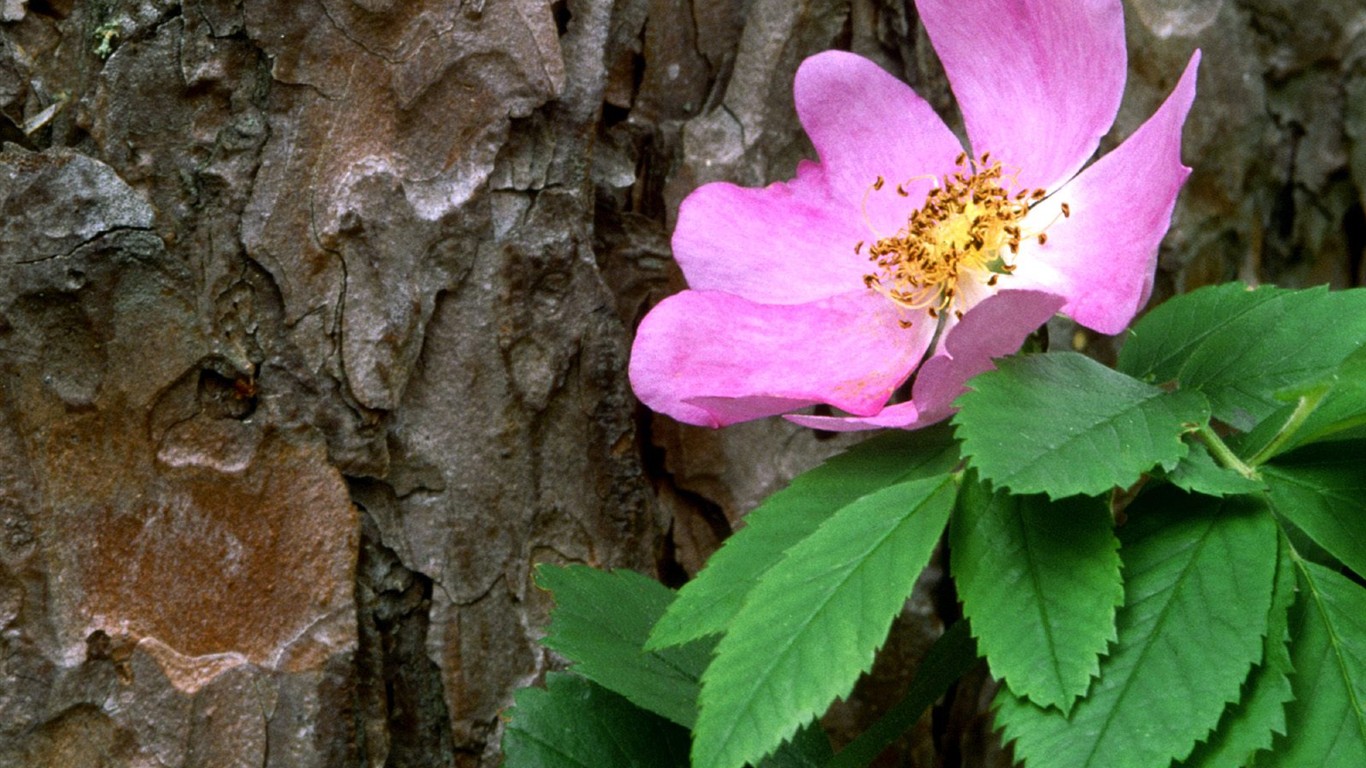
(866, 123)
(900, 416)
(995, 327)
(1038, 81)
(787, 243)
(1102, 258)
(713, 359)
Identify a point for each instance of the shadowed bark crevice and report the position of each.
(401, 716)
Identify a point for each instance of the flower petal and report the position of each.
(899, 416)
(995, 327)
(1038, 82)
(864, 124)
(787, 243)
(1102, 258)
(713, 359)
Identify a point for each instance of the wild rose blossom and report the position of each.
(899, 247)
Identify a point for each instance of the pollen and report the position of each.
(969, 228)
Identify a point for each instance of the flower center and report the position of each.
(970, 225)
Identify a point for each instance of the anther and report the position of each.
(961, 232)
(1066, 210)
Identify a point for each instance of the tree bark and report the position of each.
(314, 321)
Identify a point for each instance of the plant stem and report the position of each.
(1303, 408)
(1223, 453)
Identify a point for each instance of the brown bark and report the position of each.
(314, 319)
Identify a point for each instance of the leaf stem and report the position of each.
(1305, 406)
(1225, 455)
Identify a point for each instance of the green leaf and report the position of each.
(951, 657)
(1321, 489)
(1063, 424)
(1198, 582)
(1040, 581)
(600, 622)
(1247, 727)
(1198, 472)
(814, 621)
(1240, 347)
(810, 748)
(1332, 407)
(1326, 723)
(572, 723)
(707, 604)
(1341, 407)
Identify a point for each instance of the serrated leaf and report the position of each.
(951, 657)
(1247, 727)
(1198, 581)
(1198, 472)
(1240, 347)
(1040, 582)
(600, 622)
(1063, 424)
(706, 605)
(810, 748)
(572, 723)
(1326, 723)
(1321, 489)
(814, 621)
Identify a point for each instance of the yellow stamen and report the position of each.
(969, 226)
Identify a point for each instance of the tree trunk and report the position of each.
(315, 314)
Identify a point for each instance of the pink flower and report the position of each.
(898, 247)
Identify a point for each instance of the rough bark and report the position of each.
(314, 319)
